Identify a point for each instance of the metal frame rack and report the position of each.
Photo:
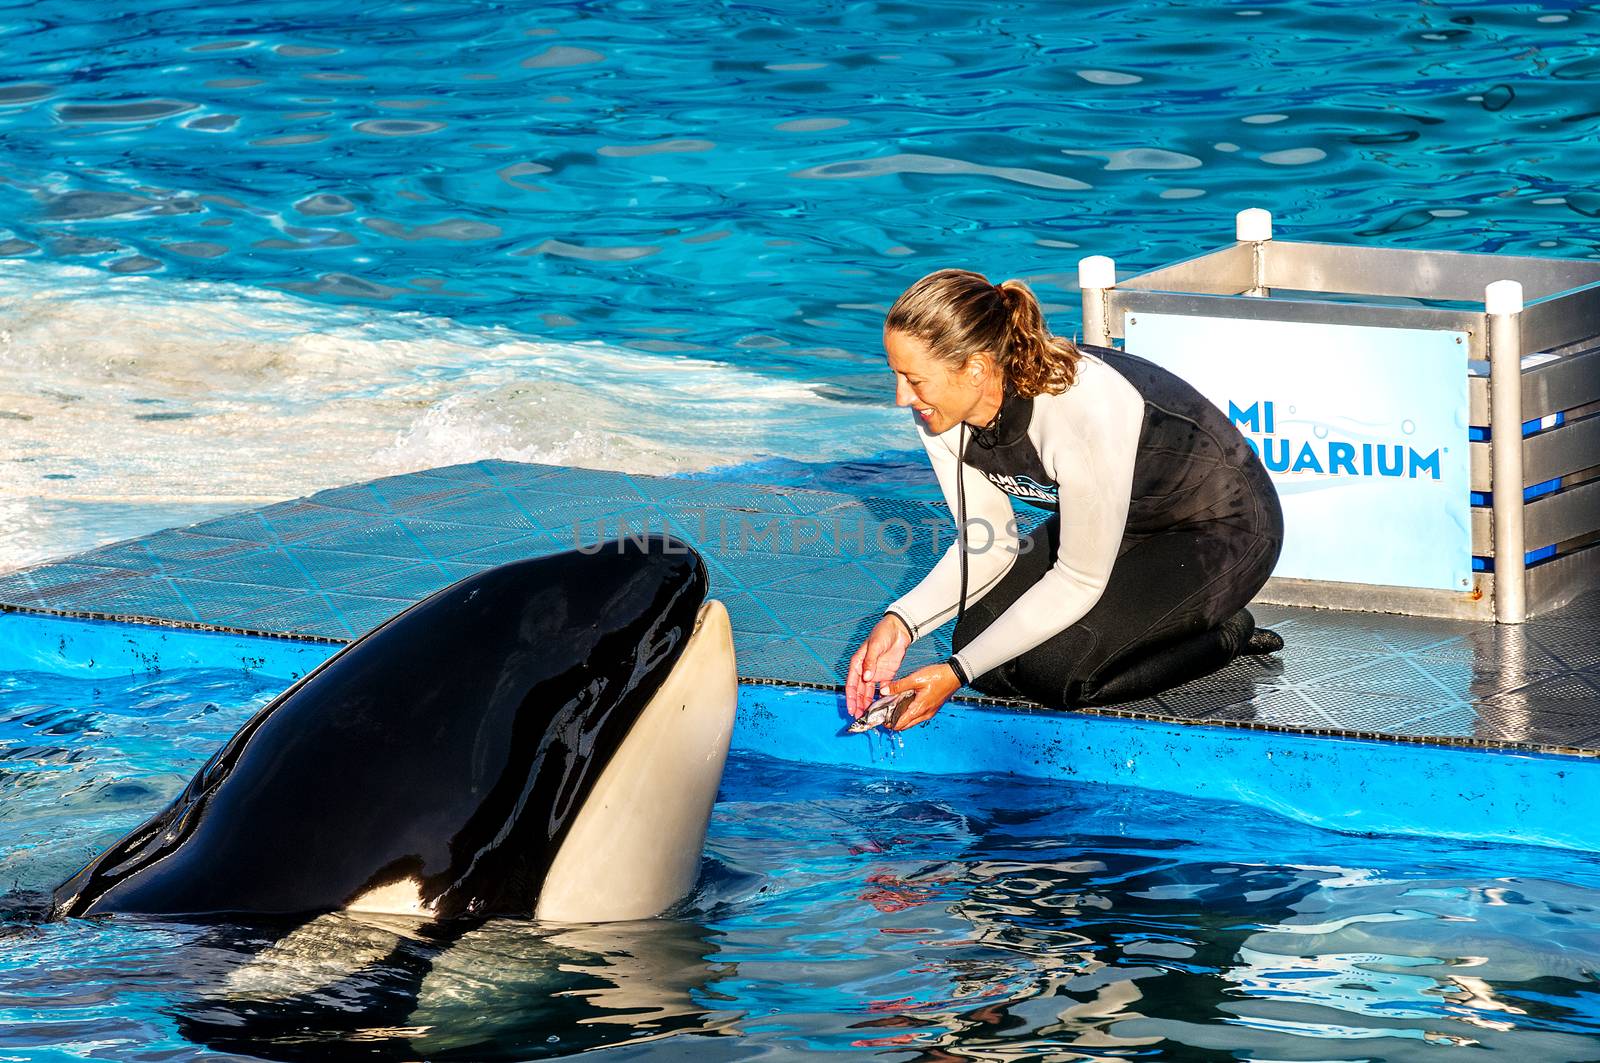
(1533, 365)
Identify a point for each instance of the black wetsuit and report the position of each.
(1138, 598)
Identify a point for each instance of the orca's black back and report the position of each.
(453, 745)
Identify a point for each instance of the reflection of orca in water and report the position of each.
(545, 738)
(355, 986)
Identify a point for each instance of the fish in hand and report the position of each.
(882, 712)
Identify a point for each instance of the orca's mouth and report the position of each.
(635, 847)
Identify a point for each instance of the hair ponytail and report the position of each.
(1034, 360)
(958, 313)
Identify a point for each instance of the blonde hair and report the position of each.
(958, 313)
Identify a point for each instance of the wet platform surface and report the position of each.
(804, 575)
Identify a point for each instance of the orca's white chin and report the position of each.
(634, 848)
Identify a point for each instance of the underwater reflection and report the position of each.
(1494, 964)
(356, 986)
(1114, 952)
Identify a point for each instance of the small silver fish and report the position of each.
(882, 712)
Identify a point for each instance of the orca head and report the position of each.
(455, 761)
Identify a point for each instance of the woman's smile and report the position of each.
(942, 397)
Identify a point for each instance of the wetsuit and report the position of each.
(1165, 525)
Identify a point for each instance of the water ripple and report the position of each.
(458, 229)
(562, 249)
(11, 95)
(136, 111)
(398, 127)
(1294, 156)
(934, 164)
(563, 56)
(1109, 77)
(1142, 159)
(629, 151)
(811, 125)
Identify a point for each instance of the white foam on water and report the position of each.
(129, 404)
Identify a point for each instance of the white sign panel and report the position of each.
(1363, 430)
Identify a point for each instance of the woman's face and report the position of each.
(941, 396)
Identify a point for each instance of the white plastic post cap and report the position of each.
(1503, 297)
(1097, 271)
(1252, 225)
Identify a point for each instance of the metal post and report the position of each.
(1097, 275)
(1502, 303)
(1254, 226)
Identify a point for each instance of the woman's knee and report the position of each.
(1053, 673)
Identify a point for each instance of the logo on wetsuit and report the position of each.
(1024, 487)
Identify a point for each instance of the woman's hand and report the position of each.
(875, 662)
(933, 685)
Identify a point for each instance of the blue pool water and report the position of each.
(843, 911)
(260, 247)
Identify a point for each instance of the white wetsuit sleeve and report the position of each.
(991, 539)
(1088, 445)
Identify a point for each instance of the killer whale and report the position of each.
(544, 739)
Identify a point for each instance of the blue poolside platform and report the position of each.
(1332, 730)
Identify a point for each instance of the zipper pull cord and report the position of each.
(961, 520)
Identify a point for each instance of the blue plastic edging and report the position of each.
(72, 647)
(1357, 785)
(1346, 784)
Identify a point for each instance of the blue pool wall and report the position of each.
(65, 646)
(1355, 785)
